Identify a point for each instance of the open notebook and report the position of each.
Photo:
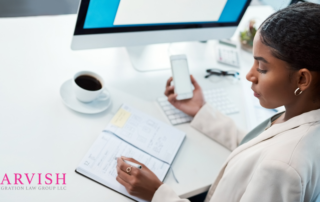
(131, 133)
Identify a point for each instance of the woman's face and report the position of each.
(270, 77)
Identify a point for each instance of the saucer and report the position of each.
(69, 99)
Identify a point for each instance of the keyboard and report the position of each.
(216, 97)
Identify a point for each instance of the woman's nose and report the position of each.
(251, 76)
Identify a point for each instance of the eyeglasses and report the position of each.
(219, 72)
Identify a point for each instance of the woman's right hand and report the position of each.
(189, 106)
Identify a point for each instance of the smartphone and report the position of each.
(181, 77)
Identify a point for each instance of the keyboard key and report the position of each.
(169, 112)
(180, 120)
(185, 120)
(166, 108)
(171, 117)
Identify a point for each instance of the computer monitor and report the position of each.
(135, 23)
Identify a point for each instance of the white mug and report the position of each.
(84, 95)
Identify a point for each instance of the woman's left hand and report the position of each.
(142, 183)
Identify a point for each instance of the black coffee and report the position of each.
(88, 82)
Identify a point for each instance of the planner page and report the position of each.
(156, 138)
(99, 162)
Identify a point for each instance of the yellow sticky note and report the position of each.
(120, 118)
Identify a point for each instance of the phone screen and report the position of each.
(181, 76)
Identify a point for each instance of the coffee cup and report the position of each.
(89, 86)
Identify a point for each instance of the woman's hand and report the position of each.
(189, 106)
(142, 183)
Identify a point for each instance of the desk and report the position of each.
(39, 134)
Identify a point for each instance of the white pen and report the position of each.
(130, 163)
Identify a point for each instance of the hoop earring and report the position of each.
(295, 92)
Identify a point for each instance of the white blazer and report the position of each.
(281, 164)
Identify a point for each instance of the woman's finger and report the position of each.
(124, 175)
(123, 166)
(128, 186)
(169, 82)
(194, 82)
(169, 90)
(172, 98)
(134, 171)
(124, 183)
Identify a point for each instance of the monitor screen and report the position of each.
(113, 16)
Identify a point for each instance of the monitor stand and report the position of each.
(150, 57)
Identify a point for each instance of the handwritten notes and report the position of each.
(146, 133)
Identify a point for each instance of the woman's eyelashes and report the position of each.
(261, 71)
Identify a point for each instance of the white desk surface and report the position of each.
(39, 134)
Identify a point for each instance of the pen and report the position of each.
(130, 163)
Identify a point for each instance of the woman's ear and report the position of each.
(305, 78)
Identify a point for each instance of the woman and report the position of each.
(280, 159)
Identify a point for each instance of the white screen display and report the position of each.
(181, 77)
(168, 11)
